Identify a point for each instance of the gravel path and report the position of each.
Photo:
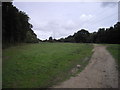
(101, 72)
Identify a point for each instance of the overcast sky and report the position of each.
(60, 19)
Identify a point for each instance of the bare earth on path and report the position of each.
(101, 72)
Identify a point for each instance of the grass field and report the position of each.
(114, 49)
(42, 65)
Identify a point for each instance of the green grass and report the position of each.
(114, 49)
(42, 65)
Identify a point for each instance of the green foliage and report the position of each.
(69, 39)
(50, 39)
(81, 36)
(15, 26)
(108, 35)
(31, 37)
(41, 65)
(114, 49)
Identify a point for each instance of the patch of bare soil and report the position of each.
(101, 72)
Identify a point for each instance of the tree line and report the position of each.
(17, 29)
(15, 26)
(103, 35)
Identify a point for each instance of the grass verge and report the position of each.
(42, 65)
(114, 49)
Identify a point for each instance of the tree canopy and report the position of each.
(103, 35)
(15, 25)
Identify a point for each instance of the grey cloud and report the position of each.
(55, 25)
(57, 28)
(109, 4)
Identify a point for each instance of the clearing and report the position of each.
(101, 72)
(42, 65)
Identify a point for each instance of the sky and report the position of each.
(61, 19)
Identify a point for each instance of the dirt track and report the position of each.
(101, 72)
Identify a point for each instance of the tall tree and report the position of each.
(50, 39)
(15, 25)
(81, 36)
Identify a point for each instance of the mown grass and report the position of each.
(114, 49)
(42, 65)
